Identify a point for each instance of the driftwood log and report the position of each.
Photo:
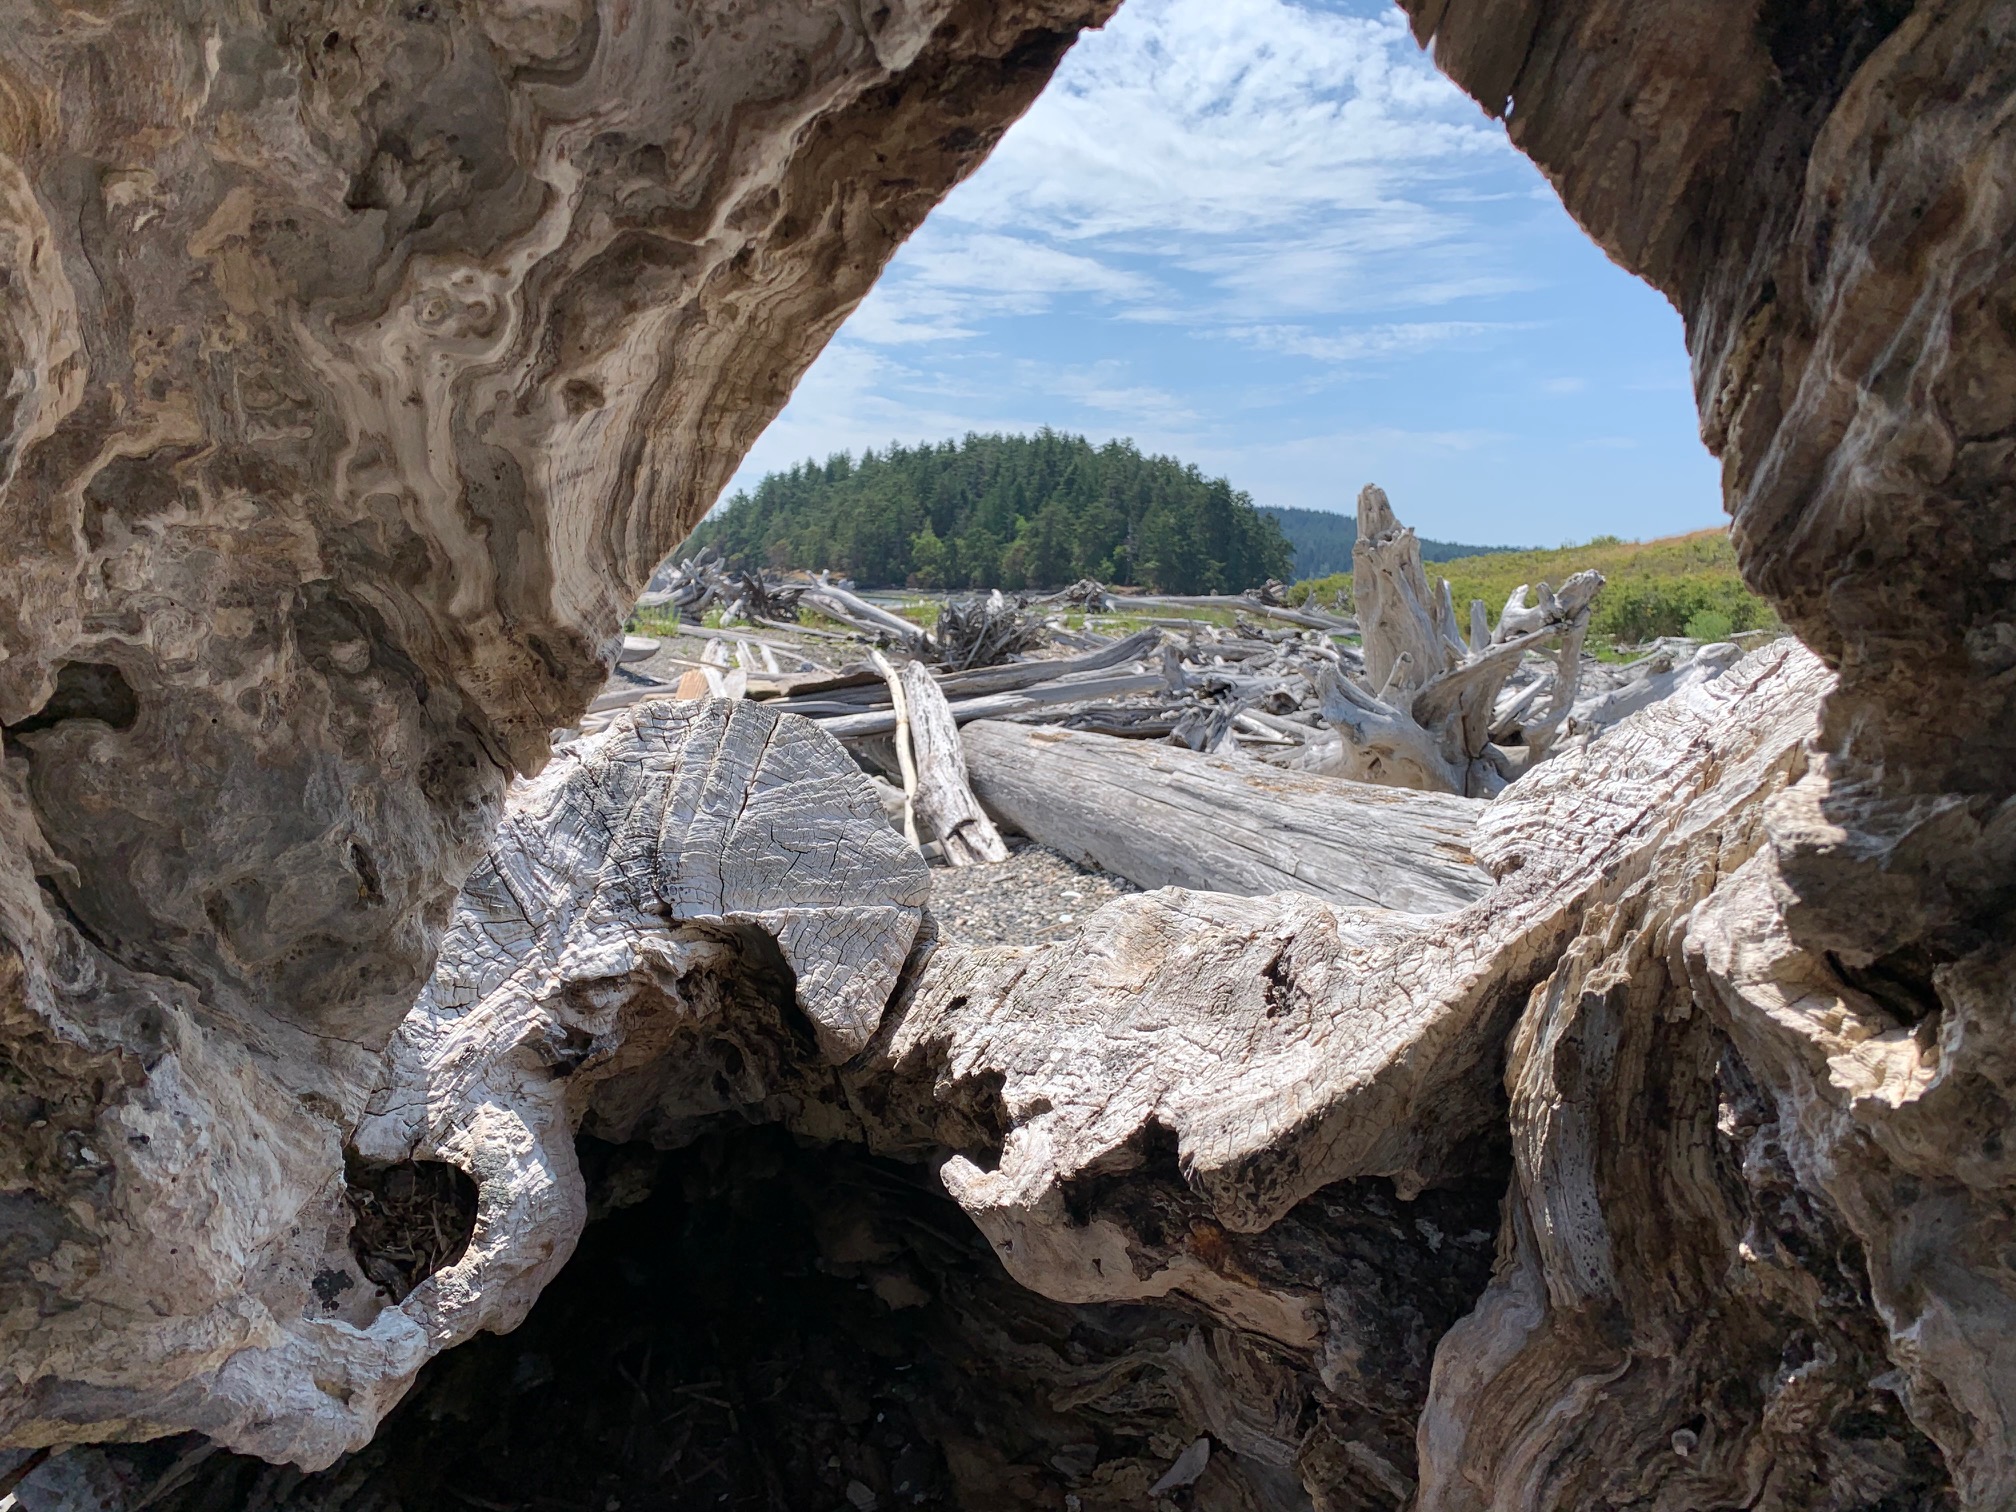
(357, 385)
(850, 609)
(1163, 816)
(1087, 688)
(1145, 1113)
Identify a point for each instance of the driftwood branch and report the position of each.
(906, 761)
(944, 802)
(851, 609)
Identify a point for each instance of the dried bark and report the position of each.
(367, 360)
(945, 803)
(1095, 1107)
(667, 909)
(1824, 193)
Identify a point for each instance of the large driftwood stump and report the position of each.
(1426, 713)
(363, 362)
(1152, 1111)
(1287, 1043)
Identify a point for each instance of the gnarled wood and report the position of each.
(1191, 1013)
(1425, 713)
(364, 362)
(661, 907)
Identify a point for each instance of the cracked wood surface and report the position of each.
(1161, 816)
(1284, 1043)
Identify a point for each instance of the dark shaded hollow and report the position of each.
(409, 1219)
(758, 1322)
(749, 1322)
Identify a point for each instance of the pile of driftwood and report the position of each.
(1155, 740)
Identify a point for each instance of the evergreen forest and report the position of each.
(999, 511)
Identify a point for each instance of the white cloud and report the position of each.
(1215, 159)
(1217, 116)
(1370, 342)
(947, 283)
(1105, 386)
(1222, 216)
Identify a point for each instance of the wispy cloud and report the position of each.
(1370, 342)
(1210, 117)
(1269, 237)
(1215, 159)
(1107, 388)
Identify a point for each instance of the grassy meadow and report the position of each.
(1682, 585)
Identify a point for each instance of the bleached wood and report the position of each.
(1660, 676)
(1308, 619)
(593, 959)
(906, 759)
(1287, 1043)
(1162, 816)
(851, 609)
(1427, 712)
(944, 802)
(1000, 705)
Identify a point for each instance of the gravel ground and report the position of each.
(1033, 897)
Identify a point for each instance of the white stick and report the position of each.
(905, 760)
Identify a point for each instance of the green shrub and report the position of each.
(1330, 594)
(1710, 625)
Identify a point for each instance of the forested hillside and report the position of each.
(1323, 541)
(1005, 512)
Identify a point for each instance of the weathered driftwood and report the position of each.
(901, 748)
(852, 610)
(348, 409)
(1284, 1043)
(1244, 603)
(984, 630)
(605, 972)
(1164, 817)
(946, 806)
(467, 312)
(1088, 688)
(1425, 711)
(857, 692)
(1645, 683)
(691, 586)
(597, 966)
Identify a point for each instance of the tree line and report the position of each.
(1002, 511)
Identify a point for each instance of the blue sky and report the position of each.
(1270, 239)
